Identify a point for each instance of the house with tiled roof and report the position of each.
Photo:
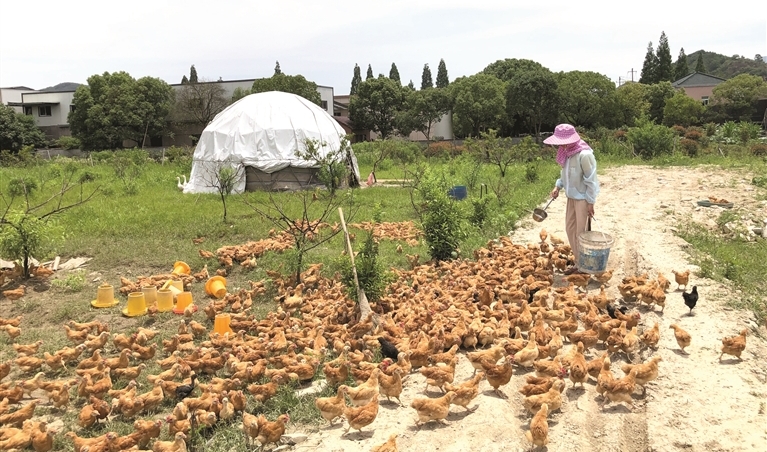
(698, 85)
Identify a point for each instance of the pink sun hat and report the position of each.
(563, 134)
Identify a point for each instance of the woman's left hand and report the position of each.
(591, 210)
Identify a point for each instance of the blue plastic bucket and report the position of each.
(593, 251)
(458, 192)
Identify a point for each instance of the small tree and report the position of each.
(441, 217)
(277, 70)
(369, 74)
(26, 223)
(681, 69)
(192, 74)
(663, 70)
(649, 67)
(699, 65)
(356, 80)
(394, 73)
(223, 177)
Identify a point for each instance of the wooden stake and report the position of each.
(362, 299)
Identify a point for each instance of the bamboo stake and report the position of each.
(362, 299)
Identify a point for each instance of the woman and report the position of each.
(579, 180)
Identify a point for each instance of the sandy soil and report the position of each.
(696, 404)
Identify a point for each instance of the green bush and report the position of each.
(441, 217)
(371, 272)
(101, 156)
(759, 149)
(690, 147)
(68, 143)
(710, 129)
(480, 211)
(74, 282)
(651, 140)
(175, 154)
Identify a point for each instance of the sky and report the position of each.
(43, 42)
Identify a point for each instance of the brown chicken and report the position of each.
(92, 443)
(553, 398)
(69, 354)
(651, 337)
(75, 335)
(603, 277)
(183, 425)
(579, 372)
(605, 376)
(466, 391)
(439, 375)
(734, 345)
(499, 375)
(249, 426)
(15, 294)
(271, 432)
(364, 393)
(492, 354)
(27, 349)
(538, 385)
(19, 416)
(538, 434)
(42, 439)
(645, 372)
(579, 279)
(683, 338)
(527, 356)
(331, 407)
(391, 386)
(264, 392)
(620, 390)
(29, 363)
(177, 445)
(681, 278)
(433, 409)
(389, 446)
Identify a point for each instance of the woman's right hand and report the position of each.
(555, 193)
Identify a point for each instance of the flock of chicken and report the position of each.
(501, 306)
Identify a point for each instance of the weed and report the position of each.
(73, 282)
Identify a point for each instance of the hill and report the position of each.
(727, 67)
(67, 86)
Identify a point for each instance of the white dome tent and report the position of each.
(258, 136)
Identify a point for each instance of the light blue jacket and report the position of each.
(579, 177)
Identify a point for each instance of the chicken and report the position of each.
(466, 391)
(439, 375)
(620, 390)
(181, 425)
(650, 337)
(330, 407)
(365, 392)
(19, 416)
(734, 345)
(80, 443)
(28, 363)
(493, 354)
(75, 335)
(54, 362)
(681, 278)
(335, 375)
(578, 369)
(13, 332)
(691, 299)
(34, 383)
(177, 445)
(94, 342)
(119, 362)
(605, 376)
(391, 386)
(69, 354)
(553, 398)
(16, 321)
(152, 399)
(264, 392)
(271, 432)
(645, 372)
(538, 434)
(128, 373)
(388, 350)
(144, 353)
(538, 385)
(579, 279)
(603, 277)
(249, 426)
(549, 368)
(630, 343)
(15, 439)
(88, 416)
(433, 409)
(683, 338)
(27, 349)
(445, 357)
(527, 356)
(205, 419)
(60, 397)
(5, 369)
(498, 375)
(42, 439)
(15, 294)
(390, 445)
(123, 341)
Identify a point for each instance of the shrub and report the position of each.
(693, 134)
(679, 130)
(101, 156)
(371, 272)
(442, 149)
(748, 131)
(441, 217)
(710, 129)
(759, 149)
(179, 153)
(620, 135)
(690, 147)
(480, 211)
(651, 140)
(68, 143)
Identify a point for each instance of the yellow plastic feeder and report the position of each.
(136, 305)
(175, 287)
(164, 300)
(105, 297)
(221, 324)
(150, 294)
(180, 268)
(216, 287)
(183, 300)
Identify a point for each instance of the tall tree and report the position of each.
(664, 71)
(377, 104)
(632, 103)
(699, 65)
(426, 81)
(115, 107)
(356, 80)
(411, 85)
(587, 99)
(295, 84)
(648, 76)
(184, 80)
(478, 103)
(736, 98)
(681, 69)
(423, 109)
(657, 95)
(532, 95)
(369, 74)
(199, 103)
(277, 70)
(394, 73)
(442, 80)
(192, 75)
(18, 130)
(758, 58)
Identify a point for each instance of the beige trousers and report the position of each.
(576, 221)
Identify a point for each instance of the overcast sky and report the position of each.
(43, 43)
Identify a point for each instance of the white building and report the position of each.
(12, 96)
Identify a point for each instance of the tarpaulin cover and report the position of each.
(264, 131)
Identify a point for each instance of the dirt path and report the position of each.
(696, 404)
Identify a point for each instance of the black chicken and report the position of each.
(184, 391)
(691, 299)
(611, 310)
(388, 350)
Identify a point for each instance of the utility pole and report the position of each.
(632, 73)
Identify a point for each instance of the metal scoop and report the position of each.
(540, 214)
